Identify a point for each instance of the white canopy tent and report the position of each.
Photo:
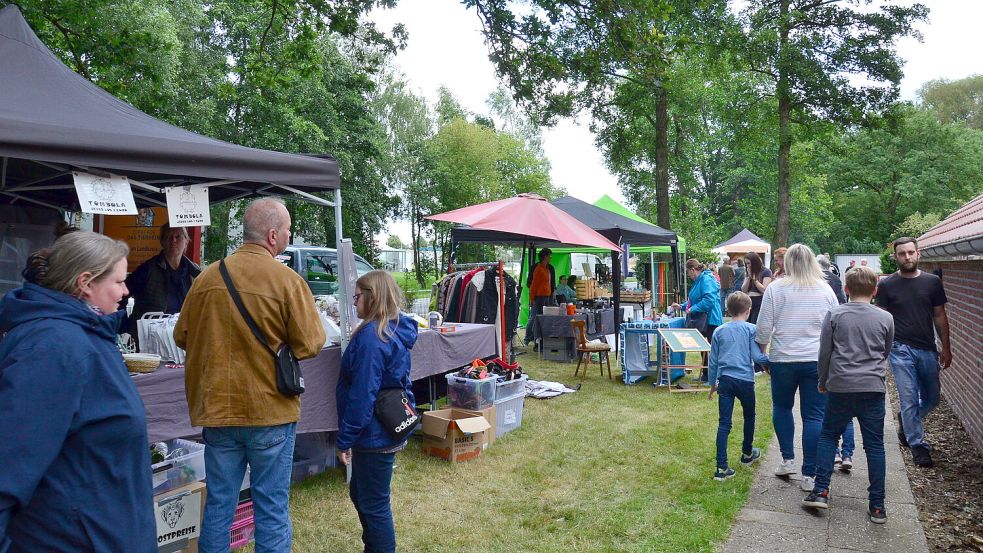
(744, 242)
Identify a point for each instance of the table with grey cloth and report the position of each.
(434, 353)
(599, 323)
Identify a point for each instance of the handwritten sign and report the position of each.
(684, 339)
(104, 195)
(187, 206)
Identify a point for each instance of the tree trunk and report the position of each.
(677, 150)
(784, 133)
(662, 157)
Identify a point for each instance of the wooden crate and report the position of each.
(586, 289)
(640, 296)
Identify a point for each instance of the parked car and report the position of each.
(319, 267)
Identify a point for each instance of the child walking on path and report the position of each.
(854, 345)
(733, 354)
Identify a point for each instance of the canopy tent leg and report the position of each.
(616, 287)
(346, 294)
(656, 290)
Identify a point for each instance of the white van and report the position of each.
(577, 261)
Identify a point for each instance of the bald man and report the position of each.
(230, 378)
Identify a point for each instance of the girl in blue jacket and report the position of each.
(377, 357)
(74, 457)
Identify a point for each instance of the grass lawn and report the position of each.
(609, 468)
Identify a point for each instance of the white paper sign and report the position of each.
(104, 195)
(178, 517)
(187, 206)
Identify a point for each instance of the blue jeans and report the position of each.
(786, 379)
(728, 389)
(916, 373)
(369, 489)
(723, 299)
(535, 308)
(846, 449)
(269, 452)
(868, 407)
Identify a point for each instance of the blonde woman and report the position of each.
(377, 357)
(75, 464)
(791, 318)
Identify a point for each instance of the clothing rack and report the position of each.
(452, 267)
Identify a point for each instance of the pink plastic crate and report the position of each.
(243, 526)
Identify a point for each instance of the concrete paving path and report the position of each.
(774, 520)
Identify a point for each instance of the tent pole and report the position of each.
(616, 290)
(655, 289)
(346, 295)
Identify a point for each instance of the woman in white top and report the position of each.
(792, 312)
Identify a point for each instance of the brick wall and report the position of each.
(962, 382)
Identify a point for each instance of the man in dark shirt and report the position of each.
(161, 282)
(917, 301)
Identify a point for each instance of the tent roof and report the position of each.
(743, 236)
(53, 120)
(617, 228)
(610, 204)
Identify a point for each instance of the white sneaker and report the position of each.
(808, 483)
(837, 460)
(786, 467)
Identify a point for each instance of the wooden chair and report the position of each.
(584, 350)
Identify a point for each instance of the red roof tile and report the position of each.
(964, 223)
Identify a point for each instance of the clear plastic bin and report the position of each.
(469, 393)
(184, 464)
(508, 414)
(505, 389)
(305, 468)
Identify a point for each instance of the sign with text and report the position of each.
(104, 195)
(187, 206)
(179, 515)
(684, 339)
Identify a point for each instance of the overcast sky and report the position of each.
(446, 48)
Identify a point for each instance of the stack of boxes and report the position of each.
(481, 411)
(586, 289)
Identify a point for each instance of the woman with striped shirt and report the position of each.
(791, 317)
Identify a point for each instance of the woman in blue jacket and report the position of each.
(377, 357)
(704, 298)
(74, 458)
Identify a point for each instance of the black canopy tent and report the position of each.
(53, 122)
(617, 228)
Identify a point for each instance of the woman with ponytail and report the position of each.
(73, 443)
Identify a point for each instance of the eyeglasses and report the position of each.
(355, 298)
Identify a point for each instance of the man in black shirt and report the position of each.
(917, 301)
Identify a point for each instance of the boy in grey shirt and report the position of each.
(853, 357)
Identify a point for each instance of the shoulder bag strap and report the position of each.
(242, 308)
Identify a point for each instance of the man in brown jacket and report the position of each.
(230, 380)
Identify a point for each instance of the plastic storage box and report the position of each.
(559, 349)
(184, 464)
(506, 389)
(469, 393)
(508, 414)
(243, 526)
(305, 468)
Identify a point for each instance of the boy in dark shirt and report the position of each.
(854, 345)
(917, 301)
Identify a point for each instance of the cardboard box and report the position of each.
(454, 434)
(490, 415)
(178, 514)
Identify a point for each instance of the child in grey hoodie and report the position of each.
(854, 345)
